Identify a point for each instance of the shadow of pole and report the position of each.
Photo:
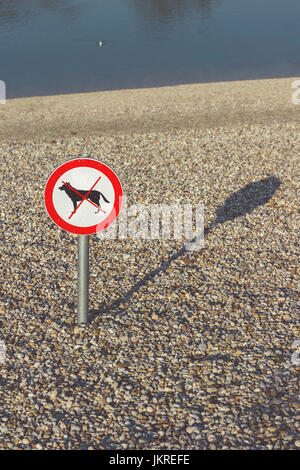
(238, 204)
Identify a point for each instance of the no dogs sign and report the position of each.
(83, 196)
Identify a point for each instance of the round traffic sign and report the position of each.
(83, 196)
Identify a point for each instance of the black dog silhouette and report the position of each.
(93, 196)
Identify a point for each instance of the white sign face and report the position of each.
(83, 196)
(66, 200)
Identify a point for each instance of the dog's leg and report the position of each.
(75, 205)
(97, 201)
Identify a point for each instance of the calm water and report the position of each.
(51, 46)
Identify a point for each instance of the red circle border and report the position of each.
(77, 163)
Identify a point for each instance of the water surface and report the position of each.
(51, 46)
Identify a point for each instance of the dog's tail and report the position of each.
(104, 197)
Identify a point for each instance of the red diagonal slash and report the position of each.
(84, 197)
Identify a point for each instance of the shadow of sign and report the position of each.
(246, 200)
(237, 205)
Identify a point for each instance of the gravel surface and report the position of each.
(184, 349)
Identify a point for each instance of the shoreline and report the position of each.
(159, 109)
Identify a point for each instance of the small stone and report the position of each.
(238, 352)
(75, 428)
(179, 388)
(191, 429)
(53, 395)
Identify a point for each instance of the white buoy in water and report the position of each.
(100, 43)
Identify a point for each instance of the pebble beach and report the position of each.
(184, 350)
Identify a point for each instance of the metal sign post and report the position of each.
(83, 279)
